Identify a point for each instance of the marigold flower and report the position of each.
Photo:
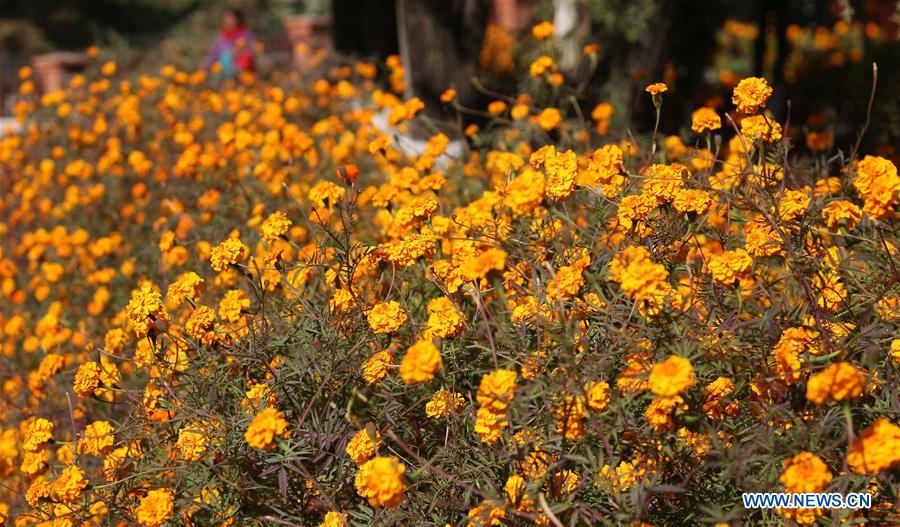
(268, 424)
(386, 317)
(840, 213)
(361, 447)
(229, 252)
(805, 472)
(155, 508)
(876, 449)
(705, 120)
(597, 395)
(69, 485)
(497, 389)
(376, 367)
(145, 309)
(672, 376)
(444, 403)
(838, 382)
(657, 88)
(335, 519)
(548, 119)
(381, 481)
(275, 226)
(751, 94)
(542, 30)
(421, 362)
(98, 438)
(444, 319)
(730, 266)
(87, 379)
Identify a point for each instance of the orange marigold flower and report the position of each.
(672, 376)
(381, 481)
(805, 472)
(386, 317)
(156, 508)
(877, 449)
(705, 120)
(361, 447)
(421, 362)
(751, 94)
(730, 266)
(376, 367)
(69, 486)
(229, 252)
(657, 88)
(443, 403)
(838, 382)
(542, 30)
(265, 427)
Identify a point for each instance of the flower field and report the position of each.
(246, 303)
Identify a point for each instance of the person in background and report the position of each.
(233, 48)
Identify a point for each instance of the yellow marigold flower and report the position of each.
(895, 351)
(341, 301)
(672, 376)
(87, 379)
(488, 513)
(657, 88)
(597, 395)
(443, 403)
(36, 433)
(188, 285)
(838, 382)
(542, 65)
(479, 265)
(570, 417)
(275, 226)
(751, 94)
(542, 30)
(69, 486)
(705, 120)
(381, 481)
(515, 492)
(200, 325)
(561, 168)
(640, 278)
(98, 439)
(145, 308)
(497, 389)
(361, 448)
(548, 119)
(805, 472)
(841, 212)
(877, 449)
(420, 363)
(760, 127)
(878, 184)
(231, 306)
(692, 200)
(489, 424)
(155, 508)
(376, 367)
(496, 107)
(265, 427)
(229, 252)
(386, 317)
(793, 204)
(448, 95)
(194, 439)
(730, 266)
(659, 413)
(335, 519)
(444, 319)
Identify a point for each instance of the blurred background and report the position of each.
(817, 54)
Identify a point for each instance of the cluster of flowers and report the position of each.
(249, 304)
